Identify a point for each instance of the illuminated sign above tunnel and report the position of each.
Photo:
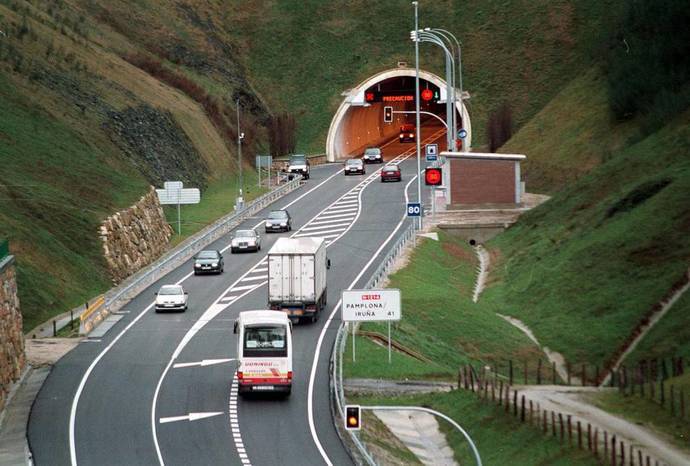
(392, 96)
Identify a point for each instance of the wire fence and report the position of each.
(118, 296)
(338, 393)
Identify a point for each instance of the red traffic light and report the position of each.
(352, 417)
(427, 94)
(433, 176)
(387, 114)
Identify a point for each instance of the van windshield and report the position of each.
(265, 341)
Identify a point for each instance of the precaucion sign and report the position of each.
(371, 305)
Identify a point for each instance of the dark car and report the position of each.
(278, 220)
(208, 261)
(299, 164)
(407, 132)
(353, 167)
(372, 155)
(391, 172)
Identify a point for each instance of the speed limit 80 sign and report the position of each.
(414, 209)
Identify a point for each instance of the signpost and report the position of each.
(431, 152)
(371, 306)
(264, 161)
(173, 193)
(414, 209)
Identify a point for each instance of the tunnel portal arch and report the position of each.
(355, 98)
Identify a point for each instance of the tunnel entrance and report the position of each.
(359, 122)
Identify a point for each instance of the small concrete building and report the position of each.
(483, 180)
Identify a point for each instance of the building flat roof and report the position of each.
(481, 155)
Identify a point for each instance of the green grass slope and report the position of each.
(584, 268)
(54, 186)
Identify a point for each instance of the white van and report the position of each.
(264, 352)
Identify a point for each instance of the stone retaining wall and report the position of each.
(12, 356)
(135, 237)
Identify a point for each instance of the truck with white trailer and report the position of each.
(297, 277)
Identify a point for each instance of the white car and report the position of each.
(245, 240)
(171, 298)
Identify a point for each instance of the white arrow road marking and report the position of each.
(205, 362)
(189, 417)
(325, 227)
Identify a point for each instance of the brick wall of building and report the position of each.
(482, 181)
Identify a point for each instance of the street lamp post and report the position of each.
(240, 136)
(416, 66)
(458, 44)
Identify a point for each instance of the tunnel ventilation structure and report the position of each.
(358, 122)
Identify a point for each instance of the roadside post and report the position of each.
(371, 306)
(414, 209)
(263, 161)
(173, 193)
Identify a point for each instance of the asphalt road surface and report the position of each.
(127, 398)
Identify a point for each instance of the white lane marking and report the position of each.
(265, 269)
(82, 383)
(326, 227)
(234, 422)
(340, 216)
(343, 210)
(189, 417)
(327, 222)
(227, 299)
(203, 363)
(243, 288)
(90, 340)
(345, 203)
(253, 279)
(315, 362)
(324, 235)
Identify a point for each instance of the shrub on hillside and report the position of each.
(282, 131)
(648, 68)
(500, 126)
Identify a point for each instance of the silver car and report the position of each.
(354, 166)
(245, 240)
(171, 298)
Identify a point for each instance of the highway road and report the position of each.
(158, 388)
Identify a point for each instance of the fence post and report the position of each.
(596, 374)
(553, 373)
(510, 372)
(522, 410)
(531, 416)
(525, 371)
(567, 368)
(539, 372)
(613, 450)
(515, 403)
(606, 445)
(507, 406)
(54, 328)
(570, 429)
(622, 453)
(560, 421)
(500, 393)
(546, 427)
(459, 378)
(579, 435)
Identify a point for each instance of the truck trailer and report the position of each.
(297, 277)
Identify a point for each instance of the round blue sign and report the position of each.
(462, 134)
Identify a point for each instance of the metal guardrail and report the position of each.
(117, 297)
(4, 248)
(376, 278)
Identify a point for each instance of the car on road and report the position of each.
(208, 261)
(391, 172)
(245, 240)
(372, 155)
(171, 298)
(407, 132)
(353, 167)
(278, 220)
(298, 164)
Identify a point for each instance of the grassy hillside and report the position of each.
(84, 131)
(301, 55)
(584, 268)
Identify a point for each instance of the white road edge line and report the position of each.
(312, 376)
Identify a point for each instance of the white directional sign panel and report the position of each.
(371, 305)
(172, 185)
(179, 196)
